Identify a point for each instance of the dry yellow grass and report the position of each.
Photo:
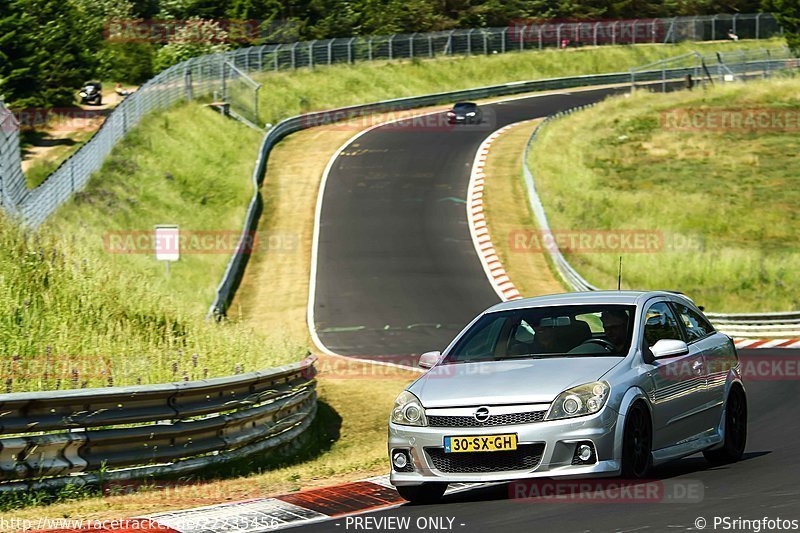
(508, 212)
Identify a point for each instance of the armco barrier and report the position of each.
(738, 325)
(76, 436)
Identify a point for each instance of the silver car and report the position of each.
(607, 383)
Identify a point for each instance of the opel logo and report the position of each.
(481, 414)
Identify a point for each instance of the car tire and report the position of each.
(735, 437)
(637, 442)
(426, 493)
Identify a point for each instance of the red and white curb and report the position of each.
(766, 343)
(478, 229)
(279, 512)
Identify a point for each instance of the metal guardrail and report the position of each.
(737, 324)
(55, 437)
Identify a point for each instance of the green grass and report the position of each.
(71, 319)
(188, 166)
(288, 93)
(725, 201)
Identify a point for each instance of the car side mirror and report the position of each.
(429, 359)
(669, 347)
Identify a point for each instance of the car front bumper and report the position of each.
(559, 438)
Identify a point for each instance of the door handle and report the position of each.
(697, 367)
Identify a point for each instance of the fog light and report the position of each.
(584, 452)
(399, 460)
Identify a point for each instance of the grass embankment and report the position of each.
(725, 200)
(508, 213)
(288, 93)
(69, 318)
(188, 166)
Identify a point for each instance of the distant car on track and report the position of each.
(592, 384)
(465, 113)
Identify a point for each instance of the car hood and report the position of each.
(507, 382)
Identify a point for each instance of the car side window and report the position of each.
(660, 323)
(697, 327)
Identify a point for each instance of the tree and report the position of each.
(46, 52)
(195, 38)
(788, 14)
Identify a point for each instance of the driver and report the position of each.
(615, 325)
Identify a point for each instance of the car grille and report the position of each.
(525, 457)
(495, 420)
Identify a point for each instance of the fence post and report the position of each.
(411, 45)
(390, 46)
(594, 33)
(275, 60)
(350, 50)
(504, 34)
(469, 41)
(653, 31)
(369, 48)
(485, 43)
(430, 45)
(449, 46)
(294, 55)
(187, 81)
(714, 28)
(223, 85)
(614, 33)
(311, 54)
(758, 34)
(734, 23)
(330, 52)
(633, 33)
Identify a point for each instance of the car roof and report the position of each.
(588, 297)
(465, 104)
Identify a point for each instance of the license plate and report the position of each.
(480, 443)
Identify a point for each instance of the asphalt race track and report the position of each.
(397, 273)
(763, 484)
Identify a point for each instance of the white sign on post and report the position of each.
(167, 243)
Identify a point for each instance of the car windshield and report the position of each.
(546, 332)
(466, 106)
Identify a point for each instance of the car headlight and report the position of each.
(582, 400)
(450, 114)
(471, 114)
(408, 411)
(83, 94)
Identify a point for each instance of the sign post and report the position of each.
(167, 243)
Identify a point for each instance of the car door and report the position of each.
(719, 357)
(679, 380)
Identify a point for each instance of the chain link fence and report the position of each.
(719, 67)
